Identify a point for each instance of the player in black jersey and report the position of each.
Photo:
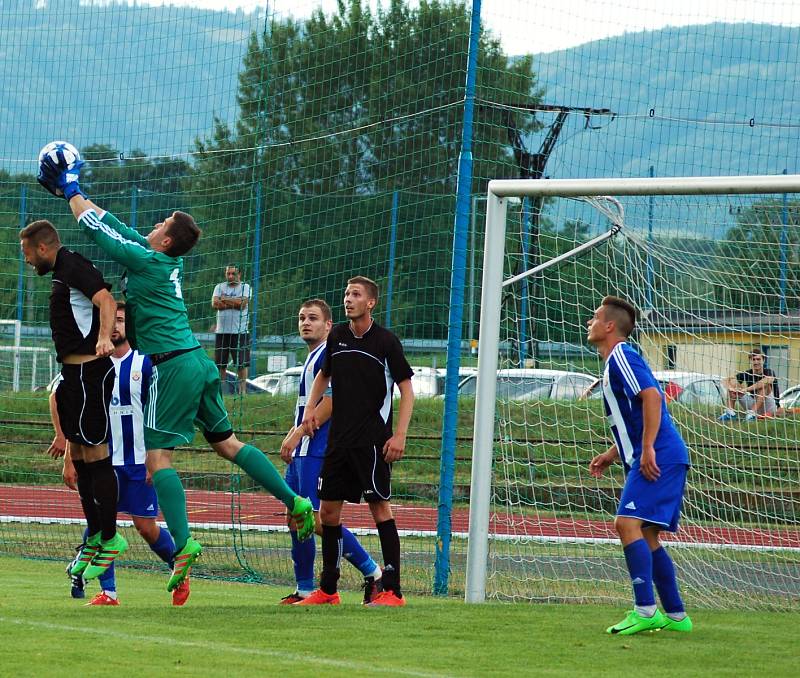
(82, 315)
(363, 362)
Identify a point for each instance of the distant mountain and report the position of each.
(135, 77)
(696, 100)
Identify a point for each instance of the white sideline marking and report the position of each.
(222, 647)
(360, 531)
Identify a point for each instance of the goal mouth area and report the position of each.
(706, 262)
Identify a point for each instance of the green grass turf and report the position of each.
(237, 630)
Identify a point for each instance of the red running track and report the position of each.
(60, 503)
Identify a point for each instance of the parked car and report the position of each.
(790, 398)
(687, 388)
(430, 381)
(267, 381)
(534, 384)
(252, 385)
(289, 381)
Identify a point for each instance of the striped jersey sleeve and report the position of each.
(118, 241)
(633, 372)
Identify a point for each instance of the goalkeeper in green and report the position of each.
(184, 389)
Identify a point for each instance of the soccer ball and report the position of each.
(71, 155)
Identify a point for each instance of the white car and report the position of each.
(289, 381)
(790, 398)
(430, 381)
(267, 381)
(534, 384)
(686, 388)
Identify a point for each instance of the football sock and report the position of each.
(255, 464)
(666, 583)
(390, 546)
(331, 557)
(108, 580)
(355, 554)
(105, 491)
(303, 553)
(164, 547)
(640, 568)
(87, 498)
(111, 593)
(172, 500)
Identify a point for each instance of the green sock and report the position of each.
(172, 501)
(255, 464)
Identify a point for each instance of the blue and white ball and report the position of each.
(70, 153)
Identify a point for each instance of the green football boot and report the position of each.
(184, 559)
(636, 623)
(89, 550)
(107, 553)
(303, 513)
(684, 625)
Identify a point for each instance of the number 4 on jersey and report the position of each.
(177, 282)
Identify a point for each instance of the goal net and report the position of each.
(711, 264)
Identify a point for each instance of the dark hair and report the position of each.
(233, 266)
(322, 304)
(120, 305)
(755, 351)
(623, 313)
(184, 233)
(40, 232)
(369, 285)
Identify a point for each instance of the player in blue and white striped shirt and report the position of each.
(126, 444)
(305, 454)
(656, 463)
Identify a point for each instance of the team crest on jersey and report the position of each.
(136, 376)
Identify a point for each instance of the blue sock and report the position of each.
(303, 553)
(355, 554)
(666, 582)
(164, 547)
(108, 581)
(640, 567)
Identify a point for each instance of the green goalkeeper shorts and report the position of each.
(184, 392)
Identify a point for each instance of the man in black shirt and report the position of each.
(363, 362)
(82, 316)
(756, 389)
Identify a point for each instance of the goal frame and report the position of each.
(499, 191)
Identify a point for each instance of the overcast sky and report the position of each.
(549, 25)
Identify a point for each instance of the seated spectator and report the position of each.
(756, 390)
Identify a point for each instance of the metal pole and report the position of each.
(483, 431)
(784, 251)
(392, 250)
(256, 277)
(456, 313)
(650, 276)
(523, 310)
(23, 210)
(471, 311)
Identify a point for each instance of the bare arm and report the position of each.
(108, 312)
(394, 448)
(310, 423)
(296, 433)
(602, 461)
(58, 447)
(651, 416)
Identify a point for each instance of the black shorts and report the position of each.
(82, 399)
(348, 473)
(232, 347)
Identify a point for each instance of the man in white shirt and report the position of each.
(230, 299)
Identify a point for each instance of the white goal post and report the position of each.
(493, 283)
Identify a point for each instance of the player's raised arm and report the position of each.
(59, 173)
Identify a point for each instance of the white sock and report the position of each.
(377, 573)
(645, 610)
(730, 411)
(111, 594)
(677, 616)
(303, 594)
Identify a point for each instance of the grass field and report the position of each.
(237, 630)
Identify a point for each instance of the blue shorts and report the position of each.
(302, 476)
(136, 497)
(655, 503)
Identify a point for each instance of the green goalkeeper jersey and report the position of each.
(156, 320)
